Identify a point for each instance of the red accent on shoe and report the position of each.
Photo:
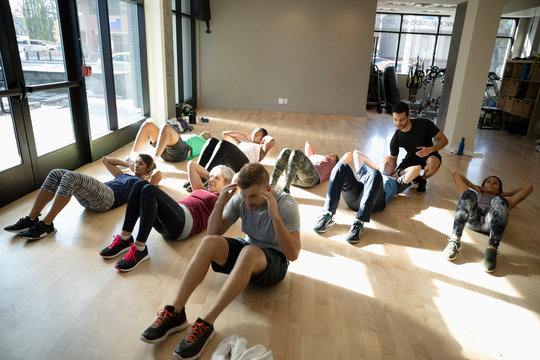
(197, 330)
(117, 240)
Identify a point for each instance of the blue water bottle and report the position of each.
(461, 146)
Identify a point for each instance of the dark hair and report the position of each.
(400, 107)
(149, 161)
(252, 173)
(493, 176)
(263, 131)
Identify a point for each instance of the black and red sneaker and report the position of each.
(193, 345)
(167, 323)
(117, 247)
(132, 259)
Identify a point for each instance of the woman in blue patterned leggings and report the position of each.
(91, 193)
(484, 209)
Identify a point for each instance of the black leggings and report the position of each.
(155, 209)
(221, 152)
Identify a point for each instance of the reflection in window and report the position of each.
(415, 48)
(441, 53)
(423, 24)
(385, 54)
(422, 38)
(50, 111)
(126, 61)
(95, 85)
(503, 45)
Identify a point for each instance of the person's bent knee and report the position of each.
(148, 124)
(216, 246)
(284, 152)
(295, 154)
(249, 255)
(469, 195)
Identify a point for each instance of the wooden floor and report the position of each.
(392, 296)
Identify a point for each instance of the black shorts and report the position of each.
(276, 263)
(176, 153)
(417, 160)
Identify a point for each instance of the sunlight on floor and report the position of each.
(336, 270)
(459, 306)
(436, 218)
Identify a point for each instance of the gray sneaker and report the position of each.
(490, 260)
(356, 230)
(452, 248)
(324, 221)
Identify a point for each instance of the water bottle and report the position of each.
(461, 146)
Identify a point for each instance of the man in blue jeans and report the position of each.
(366, 192)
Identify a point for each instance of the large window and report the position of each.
(111, 45)
(503, 45)
(184, 56)
(405, 40)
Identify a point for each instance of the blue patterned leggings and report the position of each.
(89, 192)
(490, 221)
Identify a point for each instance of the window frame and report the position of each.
(401, 32)
(179, 58)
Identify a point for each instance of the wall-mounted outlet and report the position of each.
(285, 101)
(280, 101)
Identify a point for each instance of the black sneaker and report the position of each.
(421, 188)
(324, 221)
(117, 247)
(167, 323)
(186, 184)
(490, 260)
(193, 345)
(132, 259)
(22, 225)
(356, 230)
(38, 231)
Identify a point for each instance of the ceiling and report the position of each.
(512, 8)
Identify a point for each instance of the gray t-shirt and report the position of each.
(257, 225)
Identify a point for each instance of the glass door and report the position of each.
(38, 96)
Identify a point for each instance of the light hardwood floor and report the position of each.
(392, 296)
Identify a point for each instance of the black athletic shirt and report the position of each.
(421, 134)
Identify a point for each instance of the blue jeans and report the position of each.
(364, 196)
(154, 208)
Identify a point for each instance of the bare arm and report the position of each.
(195, 171)
(233, 136)
(440, 142)
(347, 158)
(463, 184)
(411, 173)
(309, 149)
(155, 177)
(216, 224)
(206, 134)
(112, 164)
(289, 242)
(268, 143)
(518, 195)
(361, 159)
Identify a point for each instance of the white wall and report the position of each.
(315, 53)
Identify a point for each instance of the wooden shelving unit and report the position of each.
(519, 96)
